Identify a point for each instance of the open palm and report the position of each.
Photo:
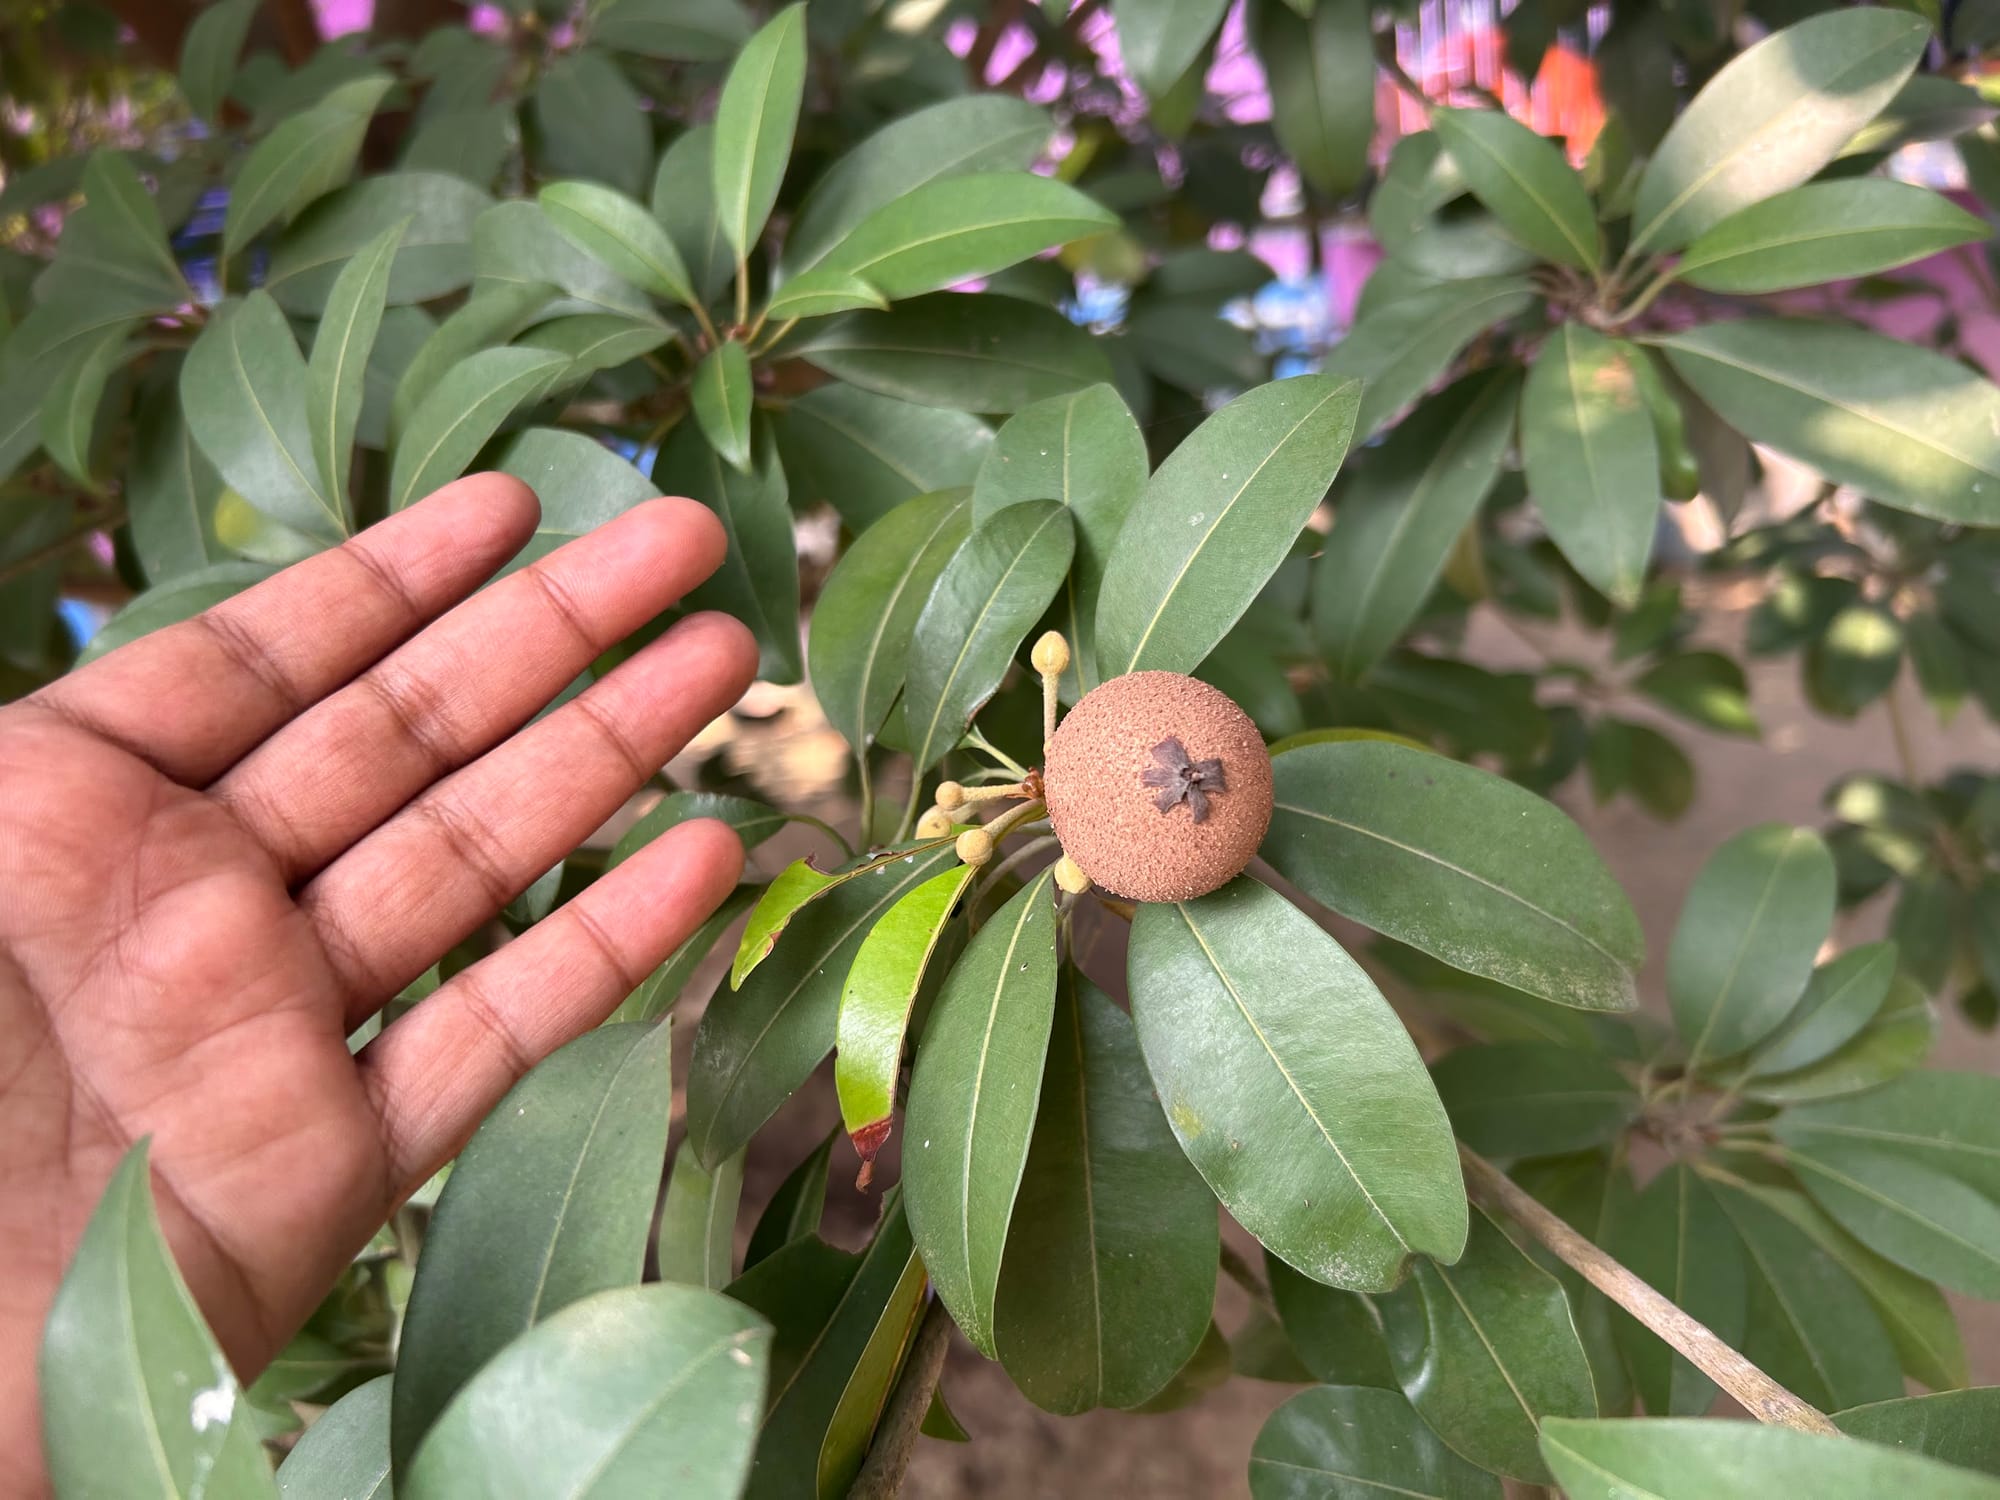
(226, 845)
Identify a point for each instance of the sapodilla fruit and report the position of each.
(1158, 786)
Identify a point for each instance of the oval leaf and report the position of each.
(305, 157)
(720, 394)
(1825, 231)
(866, 454)
(1321, 66)
(464, 409)
(820, 293)
(1340, 1441)
(1518, 1099)
(610, 226)
(1524, 180)
(754, 121)
(1950, 1121)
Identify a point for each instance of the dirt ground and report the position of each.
(1200, 1453)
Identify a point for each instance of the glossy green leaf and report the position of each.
(1591, 458)
(1948, 1121)
(170, 491)
(1459, 863)
(1398, 351)
(985, 601)
(433, 260)
(610, 226)
(868, 607)
(757, 1045)
(1523, 178)
(988, 353)
(1896, 1039)
(590, 121)
(1744, 944)
(753, 821)
(1842, 996)
(796, 1208)
(973, 1095)
(244, 392)
(466, 407)
(305, 157)
(721, 397)
(754, 121)
(1825, 231)
(1589, 1191)
(544, 1207)
(1216, 520)
(492, 316)
(209, 52)
(953, 229)
(1159, 40)
(683, 200)
(1335, 1334)
(344, 1455)
(820, 293)
(1909, 427)
(1675, 1236)
(1109, 1273)
(1486, 1349)
(660, 990)
(1517, 1099)
(1961, 1428)
(1354, 1443)
(136, 1396)
(1293, 1087)
(179, 598)
(1808, 1324)
(624, 1388)
(697, 1236)
(76, 391)
(972, 133)
(114, 254)
(339, 361)
(797, 885)
(1321, 67)
(1695, 1460)
(515, 244)
(1771, 118)
(758, 581)
(866, 454)
(1398, 518)
(876, 1002)
(1209, 1369)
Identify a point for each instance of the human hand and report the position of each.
(227, 844)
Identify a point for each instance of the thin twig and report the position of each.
(1759, 1394)
(881, 1476)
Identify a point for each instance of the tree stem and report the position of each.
(881, 1476)
(1760, 1395)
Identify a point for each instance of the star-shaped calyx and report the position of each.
(1177, 779)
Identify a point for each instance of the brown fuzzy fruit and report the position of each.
(1158, 787)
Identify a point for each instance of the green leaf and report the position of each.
(1896, 1039)
(866, 454)
(987, 598)
(987, 353)
(868, 607)
(1809, 1325)
(721, 396)
(179, 598)
(1486, 1349)
(75, 392)
(1675, 1236)
(875, 1006)
(1523, 178)
(797, 1207)
(551, 1201)
(1771, 118)
(471, 144)
(1398, 518)
(244, 393)
(753, 821)
(754, 121)
(581, 484)
(1520, 1099)
(617, 231)
(170, 490)
(1353, 1443)
(1159, 40)
(114, 254)
(1696, 1460)
(492, 316)
(1293, 1088)
(433, 260)
(1334, 1333)
(1744, 945)
(1421, 177)
(697, 1238)
(1459, 863)
(618, 1385)
(851, 1429)
(1855, 662)
(796, 886)
(306, 157)
(1321, 68)
(1109, 1274)
(1842, 996)
(1704, 687)
(1825, 231)
(1399, 350)
(957, 137)
(973, 1093)
(755, 1047)
(1961, 1428)
(209, 52)
(339, 359)
(1912, 428)
(1947, 1121)
(1217, 519)
(683, 200)
(20, 415)
(136, 1396)
(463, 410)
(1588, 1191)
(956, 228)
(514, 243)
(821, 293)
(345, 1454)
(758, 581)
(591, 342)
(1208, 1370)
(660, 990)
(1592, 460)
(592, 122)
